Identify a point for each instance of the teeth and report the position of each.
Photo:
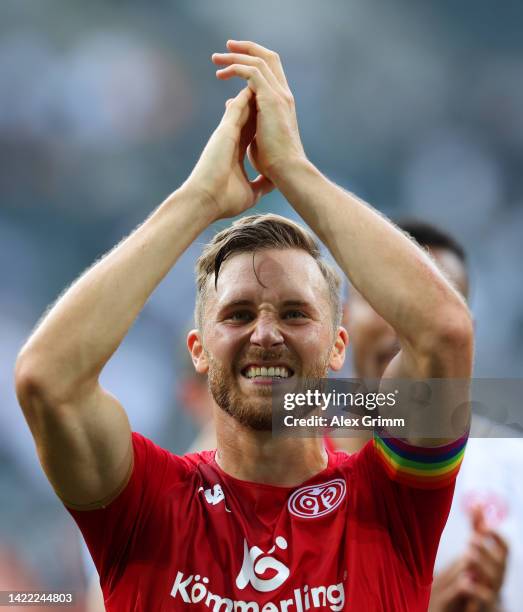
(279, 371)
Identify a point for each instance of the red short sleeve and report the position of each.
(410, 497)
(111, 532)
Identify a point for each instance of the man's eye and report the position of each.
(294, 314)
(240, 315)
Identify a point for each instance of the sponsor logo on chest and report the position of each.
(264, 572)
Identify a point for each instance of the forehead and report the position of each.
(270, 275)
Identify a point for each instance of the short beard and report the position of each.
(248, 412)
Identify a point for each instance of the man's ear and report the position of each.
(198, 356)
(337, 358)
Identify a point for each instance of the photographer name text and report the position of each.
(342, 421)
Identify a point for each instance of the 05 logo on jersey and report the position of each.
(255, 565)
(317, 500)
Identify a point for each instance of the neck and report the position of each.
(352, 445)
(258, 456)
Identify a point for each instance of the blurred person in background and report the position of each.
(15, 575)
(134, 501)
(488, 489)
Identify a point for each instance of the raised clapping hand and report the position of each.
(472, 583)
(260, 120)
(277, 142)
(219, 177)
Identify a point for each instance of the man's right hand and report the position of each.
(219, 177)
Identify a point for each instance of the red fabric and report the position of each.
(172, 541)
(329, 444)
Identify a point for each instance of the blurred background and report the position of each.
(104, 109)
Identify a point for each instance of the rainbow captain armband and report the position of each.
(418, 466)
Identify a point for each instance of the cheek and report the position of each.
(313, 342)
(223, 343)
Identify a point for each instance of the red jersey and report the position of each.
(360, 535)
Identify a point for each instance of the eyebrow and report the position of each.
(235, 303)
(296, 303)
(286, 303)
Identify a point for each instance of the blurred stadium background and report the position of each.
(104, 109)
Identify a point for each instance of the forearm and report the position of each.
(396, 277)
(86, 325)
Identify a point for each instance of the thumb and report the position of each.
(252, 152)
(479, 523)
(261, 186)
(237, 109)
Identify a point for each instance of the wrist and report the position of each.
(201, 200)
(285, 172)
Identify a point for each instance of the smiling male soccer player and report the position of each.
(264, 523)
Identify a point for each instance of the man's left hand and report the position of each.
(277, 142)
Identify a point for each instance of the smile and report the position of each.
(255, 371)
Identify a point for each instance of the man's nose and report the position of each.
(266, 333)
